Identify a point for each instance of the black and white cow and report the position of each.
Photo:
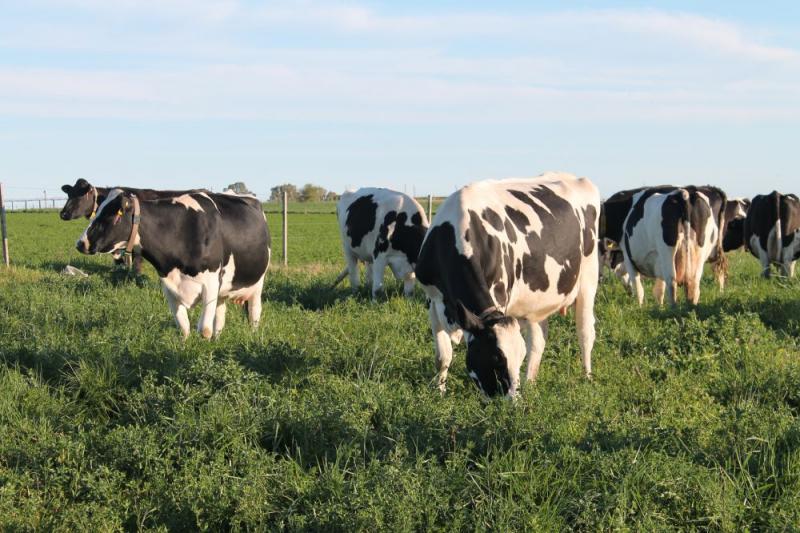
(207, 249)
(772, 231)
(382, 228)
(83, 199)
(502, 256)
(669, 235)
(735, 214)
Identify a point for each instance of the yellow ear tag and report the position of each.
(119, 213)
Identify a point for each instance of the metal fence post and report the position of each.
(3, 224)
(430, 208)
(285, 228)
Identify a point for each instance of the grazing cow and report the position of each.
(207, 248)
(382, 228)
(669, 235)
(772, 231)
(505, 255)
(83, 199)
(735, 214)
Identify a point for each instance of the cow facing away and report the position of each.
(772, 231)
(207, 249)
(382, 228)
(669, 235)
(501, 257)
(83, 200)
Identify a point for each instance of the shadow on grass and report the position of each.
(319, 293)
(115, 274)
(277, 360)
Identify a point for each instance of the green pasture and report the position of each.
(325, 418)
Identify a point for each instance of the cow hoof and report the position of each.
(207, 333)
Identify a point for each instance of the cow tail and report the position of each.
(340, 277)
(683, 255)
(721, 264)
(775, 239)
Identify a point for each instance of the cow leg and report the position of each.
(254, 304)
(219, 317)
(584, 322)
(179, 312)
(443, 346)
(634, 280)
(534, 342)
(368, 273)
(352, 270)
(658, 290)
(210, 296)
(378, 271)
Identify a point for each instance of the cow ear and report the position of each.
(468, 320)
(66, 188)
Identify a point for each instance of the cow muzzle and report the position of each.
(83, 246)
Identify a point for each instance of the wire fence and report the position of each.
(29, 204)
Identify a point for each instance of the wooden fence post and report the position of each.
(430, 208)
(3, 224)
(285, 228)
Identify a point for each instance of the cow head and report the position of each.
(81, 200)
(110, 229)
(495, 351)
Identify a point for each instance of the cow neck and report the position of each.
(135, 226)
(152, 245)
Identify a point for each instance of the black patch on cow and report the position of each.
(518, 269)
(733, 236)
(461, 280)
(408, 238)
(589, 234)
(491, 216)
(761, 218)
(559, 238)
(499, 291)
(416, 219)
(487, 362)
(508, 263)
(382, 242)
(360, 219)
(673, 214)
(518, 218)
(510, 231)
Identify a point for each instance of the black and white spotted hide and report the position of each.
(380, 228)
(207, 249)
(772, 231)
(669, 235)
(499, 259)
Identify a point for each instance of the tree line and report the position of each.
(308, 193)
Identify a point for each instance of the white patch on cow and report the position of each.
(188, 201)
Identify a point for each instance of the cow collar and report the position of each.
(94, 202)
(135, 226)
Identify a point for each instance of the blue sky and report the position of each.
(418, 96)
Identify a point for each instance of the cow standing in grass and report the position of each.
(501, 257)
(735, 215)
(669, 234)
(83, 200)
(382, 228)
(207, 249)
(772, 231)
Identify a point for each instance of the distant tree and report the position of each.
(312, 193)
(239, 188)
(331, 196)
(276, 193)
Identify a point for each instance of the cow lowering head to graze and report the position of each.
(501, 257)
(772, 231)
(669, 235)
(382, 228)
(735, 214)
(207, 249)
(83, 200)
